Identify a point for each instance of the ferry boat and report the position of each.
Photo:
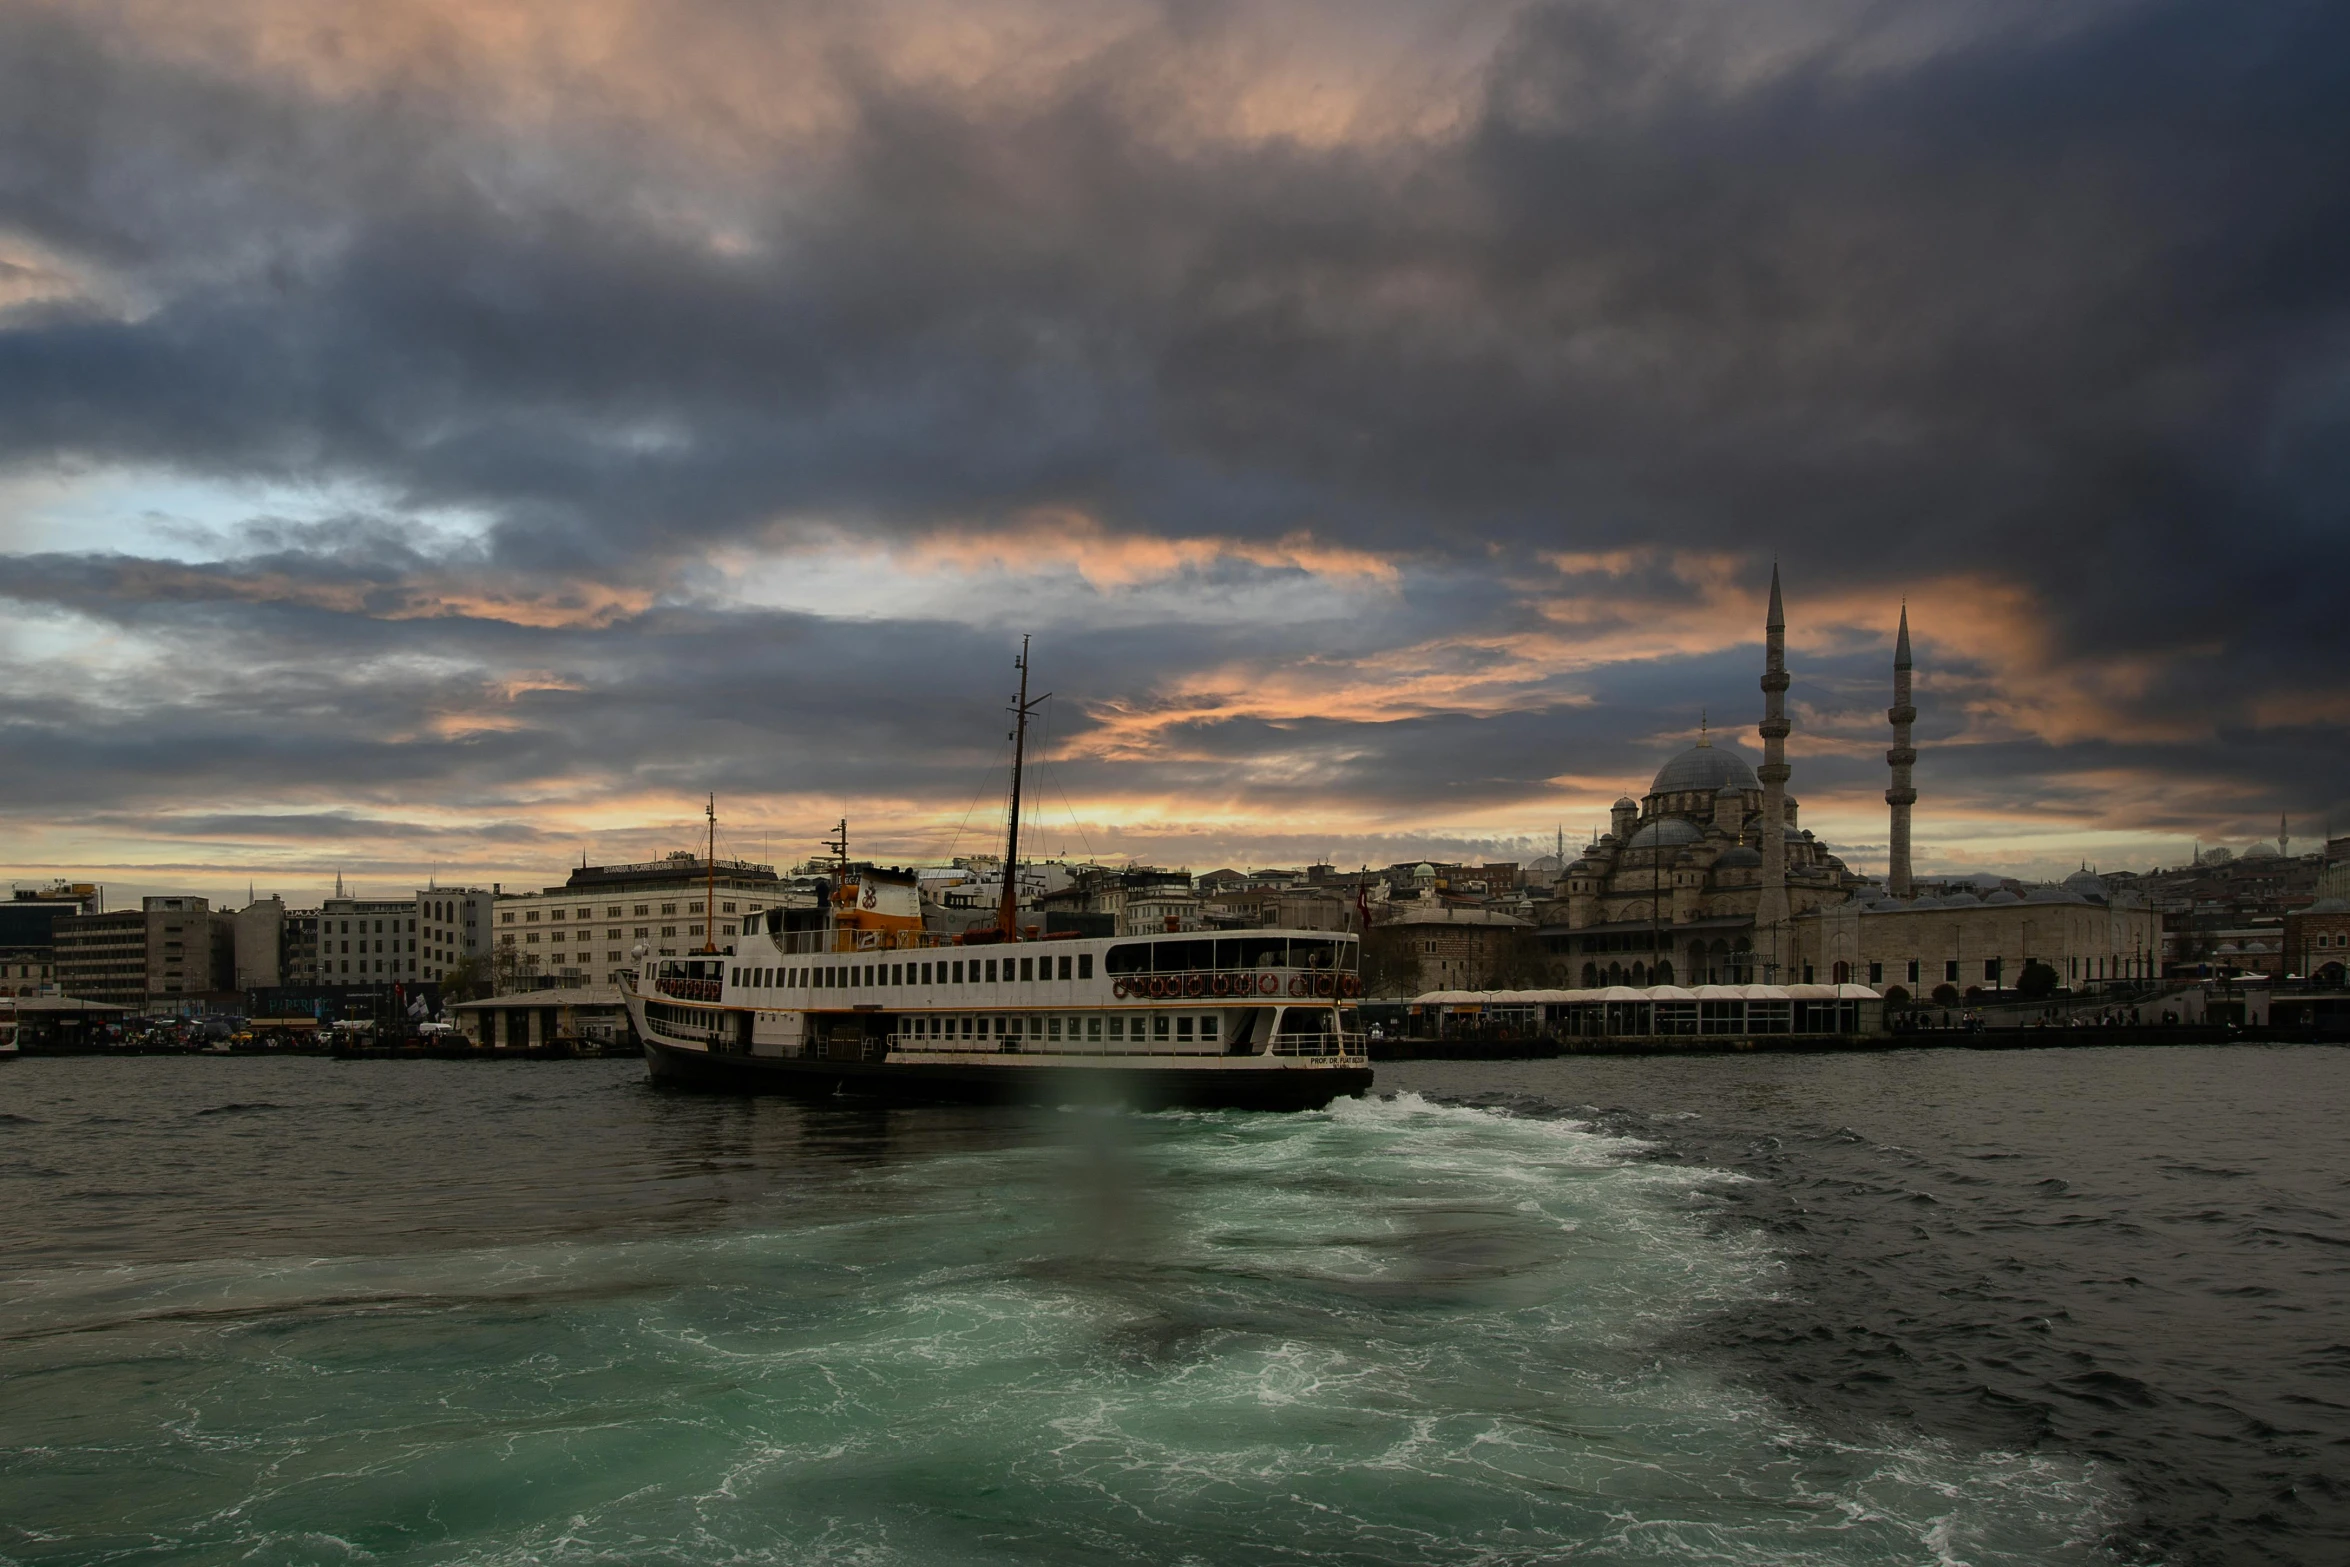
(856, 996)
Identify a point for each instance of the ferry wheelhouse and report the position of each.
(856, 995)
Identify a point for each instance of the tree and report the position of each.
(466, 980)
(1946, 995)
(1390, 967)
(1897, 999)
(2037, 982)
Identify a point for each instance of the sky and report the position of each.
(454, 437)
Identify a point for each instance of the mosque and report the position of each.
(1710, 878)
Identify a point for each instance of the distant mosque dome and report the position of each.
(1704, 768)
(2261, 851)
(2002, 897)
(2087, 883)
(1740, 858)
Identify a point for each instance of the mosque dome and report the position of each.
(2087, 883)
(2002, 897)
(1665, 831)
(2260, 851)
(1740, 858)
(1625, 802)
(1705, 768)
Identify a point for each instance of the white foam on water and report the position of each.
(1394, 1331)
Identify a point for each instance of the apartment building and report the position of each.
(167, 949)
(586, 930)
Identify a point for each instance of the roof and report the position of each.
(1665, 831)
(1450, 915)
(56, 1004)
(576, 996)
(1704, 767)
(1505, 998)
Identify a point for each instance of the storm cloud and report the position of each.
(470, 433)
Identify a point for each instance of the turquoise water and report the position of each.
(301, 1312)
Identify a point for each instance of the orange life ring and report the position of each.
(1267, 985)
(1325, 985)
(1163, 985)
(1221, 985)
(1119, 989)
(1350, 985)
(1298, 985)
(1196, 985)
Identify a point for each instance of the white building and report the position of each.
(585, 931)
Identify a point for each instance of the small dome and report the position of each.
(1704, 768)
(1665, 832)
(2087, 883)
(1625, 802)
(1740, 858)
(2002, 897)
(2260, 851)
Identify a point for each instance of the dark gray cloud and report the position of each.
(2056, 305)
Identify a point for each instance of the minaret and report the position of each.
(1770, 911)
(2284, 838)
(1902, 757)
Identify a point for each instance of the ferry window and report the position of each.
(1207, 1027)
(925, 973)
(1093, 1028)
(1264, 951)
(1065, 970)
(897, 973)
(1183, 1028)
(991, 971)
(1028, 970)
(1053, 1028)
(1085, 965)
(1311, 954)
(1177, 957)
(1117, 1028)
(966, 1028)
(958, 966)
(1132, 958)
(737, 979)
(1159, 1025)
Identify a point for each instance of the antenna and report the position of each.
(710, 867)
(1006, 919)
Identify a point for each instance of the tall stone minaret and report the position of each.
(1901, 796)
(1770, 911)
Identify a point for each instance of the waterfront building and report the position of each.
(168, 950)
(28, 971)
(1958, 942)
(367, 941)
(258, 934)
(586, 930)
(1710, 878)
(1423, 946)
(298, 950)
(1698, 881)
(454, 925)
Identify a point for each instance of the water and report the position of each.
(2047, 1307)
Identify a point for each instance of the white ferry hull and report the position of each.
(1236, 1083)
